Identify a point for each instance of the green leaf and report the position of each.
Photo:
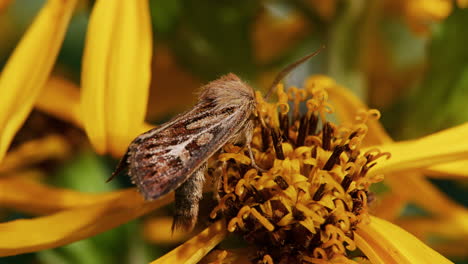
(440, 100)
(213, 37)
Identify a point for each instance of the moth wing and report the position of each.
(161, 159)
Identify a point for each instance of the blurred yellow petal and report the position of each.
(273, 35)
(31, 152)
(197, 247)
(29, 235)
(22, 195)
(389, 206)
(460, 3)
(158, 230)
(448, 170)
(60, 98)
(347, 106)
(386, 243)
(116, 73)
(453, 248)
(29, 66)
(325, 9)
(4, 4)
(427, 195)
(172, 87)
(447, 227)
(425, 10)
(445, 146)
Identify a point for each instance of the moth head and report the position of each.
(229, 90)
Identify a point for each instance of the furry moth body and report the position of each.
(174, 155)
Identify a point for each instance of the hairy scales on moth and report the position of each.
(174, 156)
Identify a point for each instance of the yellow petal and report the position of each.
(31, 152)
(386, 243)
(116, 73)
(29, 235)
(29, 66)
(445, 146)
(347, 106)
(197, 247)
(452, 170)
(60, 98)
(158, 230)
(22, 195)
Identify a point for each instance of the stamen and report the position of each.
(303, 129)
(265, 138)
(346, 182)
(281, 182)
(267, 224)
(319, 193)
(327, 131)
(284, 125)
(313, 122)
(277, 145)
(334, 158)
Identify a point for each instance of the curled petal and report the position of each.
(29, 67)
(386, 243)
(116, 73)
(29, 235)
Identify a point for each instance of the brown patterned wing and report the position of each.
(161, 159)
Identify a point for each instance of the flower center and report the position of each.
(314, 192)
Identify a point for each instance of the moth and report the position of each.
(174, 156)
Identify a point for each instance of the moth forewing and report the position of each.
(162, 159)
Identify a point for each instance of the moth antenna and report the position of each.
(280, 76)
(120, 167)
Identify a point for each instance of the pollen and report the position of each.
(305, 206)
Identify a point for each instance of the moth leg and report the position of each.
(217, 179)
(252, 159)
(187, 199)
(248, 133)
